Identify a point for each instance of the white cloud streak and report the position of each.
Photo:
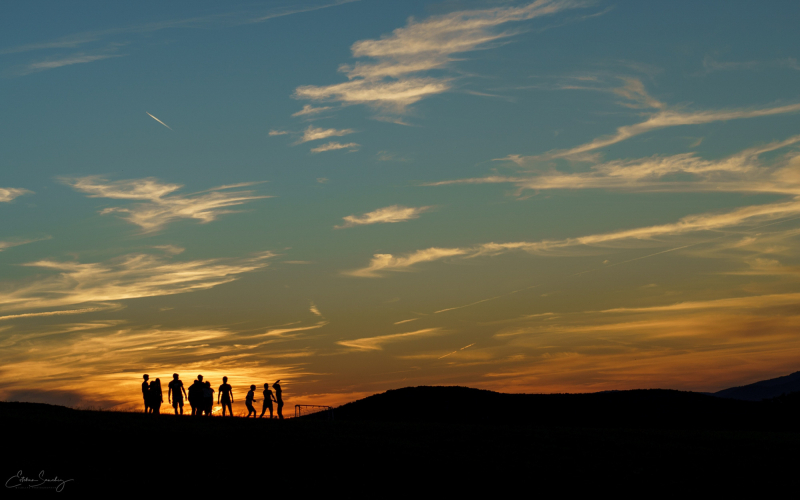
(664, 117)
(68, 312)
(313, 133)
(8, 194)
(334, 146)
(159, 205)
(64, 61)
(4, 245)
(742, 172)
(159, 121)
(376, 343)
(128, 277)
(309, 110)
(381, 263)
(394, 213)
(393, 78)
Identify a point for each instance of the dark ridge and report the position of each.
(432, 439)
(764, 389)
(644, 408)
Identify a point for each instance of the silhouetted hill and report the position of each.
(765, 389)
(431, 439)
(653, 408)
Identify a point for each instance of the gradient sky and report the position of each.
(355, 196)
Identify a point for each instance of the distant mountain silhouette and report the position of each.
(651, 408)
(765, 389)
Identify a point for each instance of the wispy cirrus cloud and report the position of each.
(395, 73)
(665, 117)
(66, 283)
(79, 58)
(313, 133)
(376, 343)
(159, 205)
(4, 245)
(309, 110)
(394, 213)
(99, 44)
(8, 194)
(743, 172)
(751, 215)
(711, 64)
(334, 146)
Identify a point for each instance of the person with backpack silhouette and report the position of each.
(268, 399)
(174, 395)
(226, 395)
(146, 393)
(156, 397)
(249, 400)
(278, 398)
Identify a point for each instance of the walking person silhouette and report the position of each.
(156, 397)
(226, 394)
(268, 399)
(249, 400)
(278, 398)
(146, 392)
(174, 395)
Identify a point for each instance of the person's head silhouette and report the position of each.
(175, 376)
(253, 387)
(200, 378)
(145, 377)
(266, 386)
(157, 381)
(276, 385)
(208, 384)
(224, 380)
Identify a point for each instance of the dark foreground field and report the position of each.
(420, 439)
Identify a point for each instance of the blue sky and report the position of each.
(356, 196)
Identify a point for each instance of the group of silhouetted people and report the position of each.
(201, 397)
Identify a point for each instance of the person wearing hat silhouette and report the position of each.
(268, 399)
(174, 395)
(278, 398)
(226, 395)
(249, 400)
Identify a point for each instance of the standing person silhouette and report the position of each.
(278, 398)
(268, 399)
(193, 397)
(196, 396)
(226, 394)
(249, 400)
(174, 395)
(156, 397)
(208, 398)
(146, 392)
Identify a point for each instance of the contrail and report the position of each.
(159, 121)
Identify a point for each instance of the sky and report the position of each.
(356, 196)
